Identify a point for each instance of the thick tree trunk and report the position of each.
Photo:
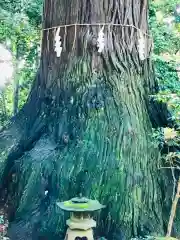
(87, 112)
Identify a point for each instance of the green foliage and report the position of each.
(167, 78)
(31, 8)
(20, 33)
(166, 60)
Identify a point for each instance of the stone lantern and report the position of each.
(80, 223)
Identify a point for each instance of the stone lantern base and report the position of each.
(73, 234)
(80, 228)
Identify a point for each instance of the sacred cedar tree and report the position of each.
(87, 110)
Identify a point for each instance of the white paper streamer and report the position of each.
(101, 40)
(141, 46)
(58, 43)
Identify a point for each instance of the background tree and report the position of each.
(20, 34)
(164, 23)
(87, 112)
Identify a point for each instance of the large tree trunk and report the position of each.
(87, 112)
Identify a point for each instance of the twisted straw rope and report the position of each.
(94, 24)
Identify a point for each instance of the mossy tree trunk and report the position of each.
(87, 112)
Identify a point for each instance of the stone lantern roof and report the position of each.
(80, 204)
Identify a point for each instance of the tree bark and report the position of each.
(86, 113)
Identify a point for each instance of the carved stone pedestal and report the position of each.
(80, 228)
